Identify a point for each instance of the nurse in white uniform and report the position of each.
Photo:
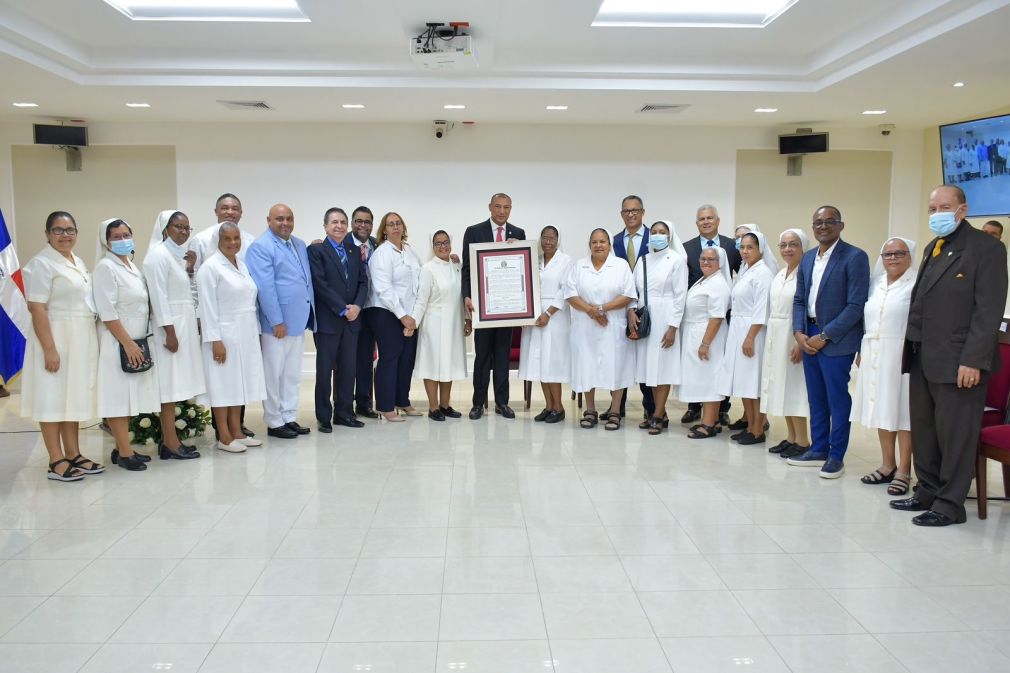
(544, 353)
(123, 307)
(740, 374)
(168, 268)
(657, 355)
(703, 334)
(441, 329)
(881, 396)
(783, 385)
(232, 360)
(60, 370)
(599, 289)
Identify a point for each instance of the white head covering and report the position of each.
(160, 225)
(724, 269)
(100, 249)
(675, 243)
(878, 268)
(800, 234)
(749, 227)
(767, 257)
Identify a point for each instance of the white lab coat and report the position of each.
(658, 366)
(544, 353)
(739, 375)
(602, 357)
(783, 385)
(707, 299)
(70, 393)
(121, 294)
(228, 314)
(438, 310)
(180, 374)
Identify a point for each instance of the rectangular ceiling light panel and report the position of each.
(210, 10)
(690, 13)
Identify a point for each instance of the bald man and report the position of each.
(279, 264)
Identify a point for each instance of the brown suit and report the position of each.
(953, 321)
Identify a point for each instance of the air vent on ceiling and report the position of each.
(663, 108)
(245, 104)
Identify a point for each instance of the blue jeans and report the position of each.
(827, 379)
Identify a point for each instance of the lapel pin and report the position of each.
(949, 254)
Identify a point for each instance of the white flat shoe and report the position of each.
(249, 441)
(234, 447)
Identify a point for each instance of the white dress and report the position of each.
(438, 310)
(783, 386)
(707, 299)
(228, 314)
(881, 390)
(739, 375)
(204, 244)
(602, 357)
(655, 365)
(70, 393)
(545, 352)
(121, 294)
(180, 374)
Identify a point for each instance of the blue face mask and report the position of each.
(737, 243)
(124, 247)
(658, 242)
(943, 223)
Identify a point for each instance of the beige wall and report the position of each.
(857, 182)
(131, 183)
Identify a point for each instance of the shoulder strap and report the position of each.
(645, 277)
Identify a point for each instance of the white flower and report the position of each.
(145, 422)
(191, 401)
(180, 424)
(149, 440)
(178, 411)
(191, 413)
(133, 438)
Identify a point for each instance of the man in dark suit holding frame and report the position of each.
(491, 344)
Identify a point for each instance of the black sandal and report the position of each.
(878, 477)
(702, 431)
(589, 419)
(899, 484)
(79, 462)
(613, 420)
(655, 426)
(67, 474)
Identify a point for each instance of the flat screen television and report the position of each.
(974, 156)
(803, 143)
(50, 134)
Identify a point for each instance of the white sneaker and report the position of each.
(250, 441)
(234, 447)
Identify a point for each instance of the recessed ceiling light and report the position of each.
(453, 107)
(557, 107)
(210, 10)
(874, 112)
(958, 84)
(136, 105)
(690, 13)
(353, 106)
(26, 104)
(766, 109)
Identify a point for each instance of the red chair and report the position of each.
(998, 392)
(994, 440)
(514, 348)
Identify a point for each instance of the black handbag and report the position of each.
(145, 348)
(644, 319)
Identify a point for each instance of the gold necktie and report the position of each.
(938, 247)
(632, 251)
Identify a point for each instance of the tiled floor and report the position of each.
(487, 547)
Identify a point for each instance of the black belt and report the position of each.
(811, 321)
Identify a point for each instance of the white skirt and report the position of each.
(739, 375)
(698, 377)
(180, 374)
(239, 380)
(70, 393)
(783, 384)
(602, 357)
(545, 352)
(655, 365)
(121, 394)
(880, 399)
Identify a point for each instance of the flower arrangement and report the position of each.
(191, 420)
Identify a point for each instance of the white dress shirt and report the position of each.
(820, 264)
(394, 275)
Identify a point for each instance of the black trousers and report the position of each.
(365, 352)
(946, 421)
(335, 361)
(648, 403)
(492, 352)
(396, 361)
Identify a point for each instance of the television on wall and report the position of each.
(974, 155)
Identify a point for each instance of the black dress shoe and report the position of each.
(348, 422)
(476, 411)
(554, 416)
(748, 439)
(724, 419)
(740, 424)
(367, 412)
(436, 415)
(325, 427)
(247, 432)
(691, 415)
(133, 463)
(542, 416)
(182, 453)
(908, 505)
(737, 435)
(300, 429)
(780, 447)
(282, 432)
(934, 519)
(449, 412)
(504, 410)
(792, 451)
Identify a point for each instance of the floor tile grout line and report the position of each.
(536, 579)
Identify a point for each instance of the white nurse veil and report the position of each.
(160, 224)
(724, 269)
(767, 256)
(100, 249)
(800, 234)
(675, 243)
(878, 268)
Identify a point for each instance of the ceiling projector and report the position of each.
(444, 48)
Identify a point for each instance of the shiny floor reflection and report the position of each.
(491, 546)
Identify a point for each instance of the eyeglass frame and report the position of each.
(63, 231)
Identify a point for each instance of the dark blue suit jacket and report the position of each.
(620, 249)
(333, 291)
(840, 297)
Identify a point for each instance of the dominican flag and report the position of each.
(14, 319)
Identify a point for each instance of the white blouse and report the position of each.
(393, 276)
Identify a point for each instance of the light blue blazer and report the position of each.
(284, 283)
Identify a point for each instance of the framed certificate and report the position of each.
(504, 284)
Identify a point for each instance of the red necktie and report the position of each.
(364, 253)
(498, 239)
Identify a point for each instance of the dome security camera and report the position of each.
(885, 129)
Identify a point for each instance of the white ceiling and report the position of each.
(821, 62)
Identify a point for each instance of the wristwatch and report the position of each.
(824, 337)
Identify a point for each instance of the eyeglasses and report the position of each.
(632, 211)
(786, 246)
(179, 227)
(894, 254)
(821, 224)
(708, 260)
(63, 231)
(442, 244)
(362, 221)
